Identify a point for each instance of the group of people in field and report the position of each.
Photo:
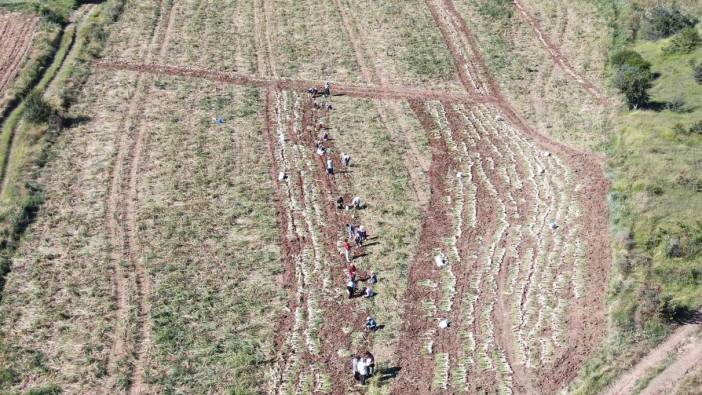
(364, 365)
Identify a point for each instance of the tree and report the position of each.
(634, 84)
(631, 58)
(663, 21)
(684, 42)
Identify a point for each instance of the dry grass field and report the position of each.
(188, 239)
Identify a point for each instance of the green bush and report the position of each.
(684, 42)
(634, 84)
(697, 73)
(663, 21)
(47, 390)
(631, 58)
(676, 104)
(37, 110)
(696, 127)
(7, 376)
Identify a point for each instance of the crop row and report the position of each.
(541, 305)
(305, 219)
(533, 237)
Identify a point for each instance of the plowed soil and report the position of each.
(512, 271)
(16, 32)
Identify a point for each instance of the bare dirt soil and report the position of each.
(16, 32)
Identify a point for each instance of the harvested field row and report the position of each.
(503, 196)
(16, 32)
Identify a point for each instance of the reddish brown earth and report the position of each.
(16, 32)
(367, 91)
(586, 323)
(417, 369)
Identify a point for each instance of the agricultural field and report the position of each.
(16, 33)
(180, 232)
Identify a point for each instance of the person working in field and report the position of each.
(351, 288)
(330, 167)
(346, 251)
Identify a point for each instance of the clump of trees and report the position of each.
(684, 42)
(632, 77)
(663, 21)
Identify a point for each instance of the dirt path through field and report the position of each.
(558, 57)
(417, 370)
(340, 88)
(336, 313)
(668, 380)
(685, 333)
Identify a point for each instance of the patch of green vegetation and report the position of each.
(46, 390)
(53, 11)
(212, 310)
(30, 131)
(684, 42)
(655, 166)
(649, 155)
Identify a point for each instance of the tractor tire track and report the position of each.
(370, 73)
(134, 254)
(558, 57)
(121, 224)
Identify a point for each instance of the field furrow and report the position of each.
(14, 45)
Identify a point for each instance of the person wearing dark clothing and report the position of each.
(370, 361)
(373, 279)
(351, 288)
(371, 324)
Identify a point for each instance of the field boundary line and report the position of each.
(340, 88)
